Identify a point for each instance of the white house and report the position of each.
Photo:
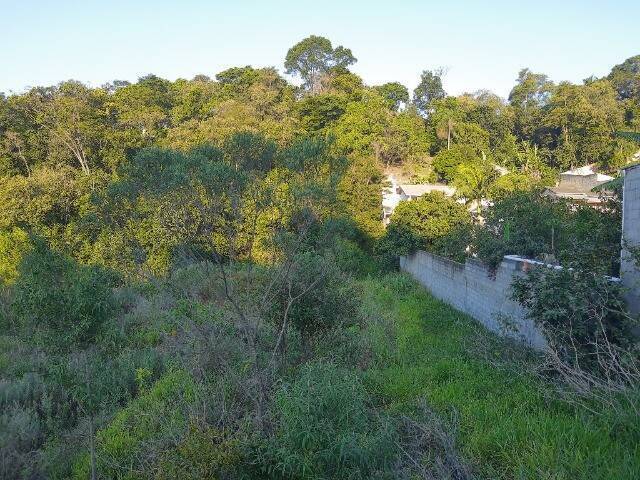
(396, 193)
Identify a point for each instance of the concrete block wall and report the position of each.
(629, 271)
(472, 289)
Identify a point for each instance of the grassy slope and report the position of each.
(506, 426)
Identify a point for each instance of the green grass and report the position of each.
(506, 427)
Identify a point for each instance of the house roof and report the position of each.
(588, 170)
(577, 192)
(421, 189)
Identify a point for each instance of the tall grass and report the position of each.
(508, 425)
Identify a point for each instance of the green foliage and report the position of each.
(528, 97)
(14, 244)
(428, 90)
(319, 112)
(360, 191)
(510, 184)
(318, 298)
(446, 161)
(508, 423)
(585, 119)
(59, 303)
(625, 77)
(369, 128)
(153, 422)
(535, 226)
(239, 237)
(576, 310)
(428, 218)
(394, 93)
(473, 181)
(205, 453)
(325, 429)
(313, 57)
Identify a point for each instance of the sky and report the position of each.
(480, 44)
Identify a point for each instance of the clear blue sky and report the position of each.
(483, 44)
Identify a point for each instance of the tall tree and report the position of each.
(625, 77)
(395, 93)
(528, 97)
(73, 118)
(626, 80)
(313, 57)
(584, 119)
(428, 90)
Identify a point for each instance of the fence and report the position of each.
(474, 290)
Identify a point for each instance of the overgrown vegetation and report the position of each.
(192, 277)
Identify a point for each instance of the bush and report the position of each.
(535, 226)
(14, 244)
(58, 303)
(316, 296)
(432, 222)
(325, 429)
(150, 424)
(578, 312)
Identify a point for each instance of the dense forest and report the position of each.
(193, 273)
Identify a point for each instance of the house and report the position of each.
(390, 199)
(411, 192)
(396, 193)
(577, 185)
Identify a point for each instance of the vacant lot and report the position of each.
(508, 423)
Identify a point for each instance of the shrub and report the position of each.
(350, 258)
(432, 222)
(315, 297)
(203, 454)
(325, 429)
(536, 226)
(578, 312)
(150, 424)
(59, 303)
(14, 244)
(20, 435)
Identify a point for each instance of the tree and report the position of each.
(473, 181)
(370, 128)
(395, 93)
(428, 90)
(528, 97)
(446, 162)
(584, 119)
(510, 183)
(313, 57)
(445, 115)
(142, 112)
(14, 145)
(73, 118)
(238, 77)
(625, 78)
(428, 218)
(361, 191)
(318, 112)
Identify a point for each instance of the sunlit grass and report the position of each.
(506, 425)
